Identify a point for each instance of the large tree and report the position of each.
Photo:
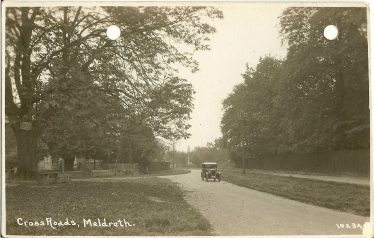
(316, 99)
(250, 117)
(327, 86)
(61, 67)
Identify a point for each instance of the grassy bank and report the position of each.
(338, 196)
(110, 174)
(156, 207)
(168, 172)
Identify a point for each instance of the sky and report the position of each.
(246, 33)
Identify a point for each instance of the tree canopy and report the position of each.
(315, 99)
(79, 90)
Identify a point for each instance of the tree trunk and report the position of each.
(27, 141)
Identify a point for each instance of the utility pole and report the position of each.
(188, 155)
(242, 138)
(243, 157)
(173, 155)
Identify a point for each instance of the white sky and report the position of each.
(246, 33)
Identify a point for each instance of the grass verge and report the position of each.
(168, 172)
(109, 174)
(155, 205)
(338, 196)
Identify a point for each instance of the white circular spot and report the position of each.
(331, 32)
(113, 32)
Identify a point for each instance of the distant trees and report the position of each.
(316, 99)
(70, 87)
(209, 154)
(179, 158)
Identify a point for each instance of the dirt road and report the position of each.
(234, 210)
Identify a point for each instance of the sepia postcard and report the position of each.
(186, 119)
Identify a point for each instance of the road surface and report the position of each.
(234, 210)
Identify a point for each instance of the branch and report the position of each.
(76, 17)
(17, 76)
(38, 68)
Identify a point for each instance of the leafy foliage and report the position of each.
(316, 99)
(81, 90)
(209, 154)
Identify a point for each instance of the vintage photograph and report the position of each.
(185, 119)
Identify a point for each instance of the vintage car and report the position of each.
(209, 171)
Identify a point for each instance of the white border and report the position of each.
(301, 3)
(296, 3)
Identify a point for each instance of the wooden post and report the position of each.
(243, 158)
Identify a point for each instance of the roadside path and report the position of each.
(338, 179)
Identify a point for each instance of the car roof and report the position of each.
(209, 163)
